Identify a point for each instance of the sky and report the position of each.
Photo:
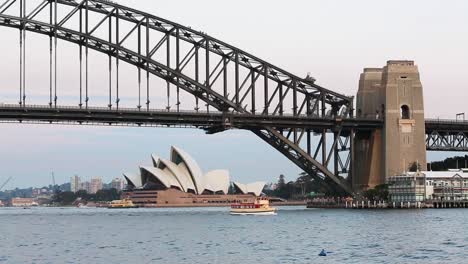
(331, 39)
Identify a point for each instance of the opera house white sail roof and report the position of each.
(183, 173)
(254, 188)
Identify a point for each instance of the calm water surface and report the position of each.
(211, 235)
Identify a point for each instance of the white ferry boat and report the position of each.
(261, 206)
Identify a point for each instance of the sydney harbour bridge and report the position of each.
(184, 78)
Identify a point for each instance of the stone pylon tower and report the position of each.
(405, 135)
(395, 94)
(368, 165)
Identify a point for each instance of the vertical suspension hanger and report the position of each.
(21, 54)
(178, 67)
(55, 52)
(139, 67)
(225, 73)
(168, 64)
(110, 63)
(51, 12)
(81, 58)
(117, 40)
(86, 54)
(196, 76)
(252, 81)
(24, 53)
(265, 89)
(147, 65)
(207, 71)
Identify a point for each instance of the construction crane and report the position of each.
(5, 183)
(53, 182)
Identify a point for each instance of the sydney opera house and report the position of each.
(180, 181)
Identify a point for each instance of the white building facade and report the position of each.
(451, 185)
(75, 183)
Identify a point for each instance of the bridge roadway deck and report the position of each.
(135, 117)
(142, 117)
(446, 126)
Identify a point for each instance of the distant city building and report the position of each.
(86, 186)
(75, 183)
(117, 184)
(36, 192)
(22, 202)
(96, 185)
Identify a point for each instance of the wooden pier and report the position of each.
(436, 204)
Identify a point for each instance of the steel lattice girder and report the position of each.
(446, 135)
(447, 141)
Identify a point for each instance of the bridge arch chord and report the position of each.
(278, 84)
(280, 89)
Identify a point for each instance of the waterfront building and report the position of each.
(448, 185)
(96, 185)
(410, 187)
(451, 185)
(117, 184)
(180, 180)
(22, 202)
(75, 183)
(174, 197)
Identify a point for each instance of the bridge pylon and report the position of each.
(395, 94)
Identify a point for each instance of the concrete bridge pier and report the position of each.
(395, 94)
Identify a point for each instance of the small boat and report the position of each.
(261, 206)
(125, 203)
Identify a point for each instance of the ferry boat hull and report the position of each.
(123, 207)
(254, 213)
(122, 204)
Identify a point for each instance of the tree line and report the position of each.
(457, 162)
(305, 186)
(69, 198)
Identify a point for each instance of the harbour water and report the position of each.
(211, 235)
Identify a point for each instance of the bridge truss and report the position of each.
(218, 80)
(446, 135)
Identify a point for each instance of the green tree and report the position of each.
(83, 194)
(232, 188)
(414, 167)
(380, 192)
(64, 198)
(106, 195)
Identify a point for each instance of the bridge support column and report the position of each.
(395, 94)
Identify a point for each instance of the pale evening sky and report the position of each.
(331, 39)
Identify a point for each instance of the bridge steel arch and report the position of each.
(257, 83)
